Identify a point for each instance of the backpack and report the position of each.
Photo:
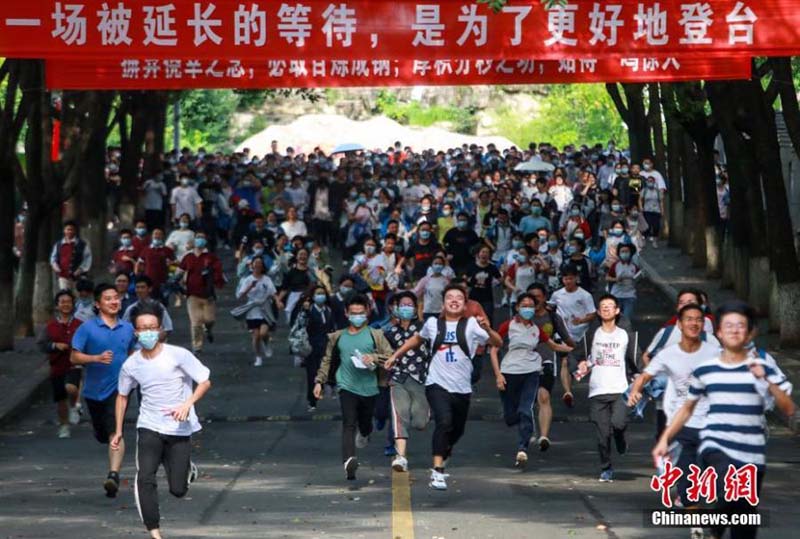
(299, 344)
(461, 337)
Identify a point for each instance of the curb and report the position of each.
(18, 399)
(792, 423)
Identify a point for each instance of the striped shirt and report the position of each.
(736, 404)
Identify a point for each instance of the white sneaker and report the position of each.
(361, 441)
(74, 416)
(400, 464)
(268, 351)
(522, 459)
(63, 431)
(194, 473)
(438, 480)
(258, 362)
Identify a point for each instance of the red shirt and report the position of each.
(156, 260)
(124, 265)
(140, 243)
(65, 251)
(195, 266)
(57, 331)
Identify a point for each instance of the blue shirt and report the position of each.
(530, 224)
(94, 337)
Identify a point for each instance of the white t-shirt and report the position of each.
(675, 336)
(574, 304)
(678, 366)
(185, 200)
(166, 382)
(298, 228)
(450, 368)
(258, 295)
(608, 374)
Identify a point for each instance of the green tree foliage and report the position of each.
(569, 114)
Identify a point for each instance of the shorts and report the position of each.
(103, 421)
(256, 323)
(548, 378)
(71, 377)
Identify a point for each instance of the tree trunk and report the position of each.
(675, 136)
(660, 150)
(633, 112)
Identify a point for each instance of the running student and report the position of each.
(354, 357)
(102, 345)
(738, 387)
(454, 340)
(612, 358)
(519, 373)
(55, 341)
(167, 418)
(407, 378)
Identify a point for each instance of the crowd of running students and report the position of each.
(452, 263)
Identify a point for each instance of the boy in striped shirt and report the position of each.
(738, 386)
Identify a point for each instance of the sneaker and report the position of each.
(311, 408)
(607, 476)
(350, 467)
(112, 484)
(63, 431)
(258, 362)
(389, 450)
(522, 459)
(544, 444)
(268, 351)
(568, 399)
(438, 480)
(380, 424)
(696, 533)
(400, 464)
(209, 334)
(620, 442)
(194, 473)
(74, 416)
(361, 441)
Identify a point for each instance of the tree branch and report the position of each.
(613, 90)
(782, 78)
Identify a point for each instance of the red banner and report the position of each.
(395, 29)
(167, 74)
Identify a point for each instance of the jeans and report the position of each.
(626, 306)
(152, 450)
(653, 223)
(609, 415)
(357, 413)
(450, 411)
(518, 401)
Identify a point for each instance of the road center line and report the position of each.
(402, 519)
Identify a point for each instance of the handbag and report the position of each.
(299, 343)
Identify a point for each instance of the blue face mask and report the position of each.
(516, 244)
(362, 200)
(552, 244)
(536, 211)
(437, 269)
(616, 232)
(126, 242)
(406, 312)
(357, 320)
(463, 225)
(527, 313)
(200, 243)
(148, 339)
(258, 252)
(345, 290)
(575, 212)
(369, 249)
(320, 299)
(625, 256)
(571, 250)
(183, 224)
(141, 231)
(616, 208)
(425, 234)
(157, 243)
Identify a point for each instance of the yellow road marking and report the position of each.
(402, 519)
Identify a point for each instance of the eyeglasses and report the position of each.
(741, 326)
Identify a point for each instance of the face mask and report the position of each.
(575, 212)
(527, 313)
(383, 183)
(357, 320)
(525, 207)
(148, 339)
(406, 312)
(309, 245)
(157, 243)
(184, 182)
(258, 252)
(579, 235)
(516, 244)
(542, 239)
(552, 244)
(648, 166)
(362, 200)
(320, 299)
(536, 211)
(369, 249)
(616, 208)
(463, 225)
(437, 269)
(447, 213)
(425, 208)
(183, 224)
(616, 232)
(625, 256)
(353, 196)
(634, 214)
(141, 231)
(126, 242)
(624, 170)
(425, 234)
(571, 250)
(200, 243)
(345, 290)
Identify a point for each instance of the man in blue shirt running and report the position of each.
(101, 345)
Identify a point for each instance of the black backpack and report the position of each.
(461, 337)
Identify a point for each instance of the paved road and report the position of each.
(269, 469)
